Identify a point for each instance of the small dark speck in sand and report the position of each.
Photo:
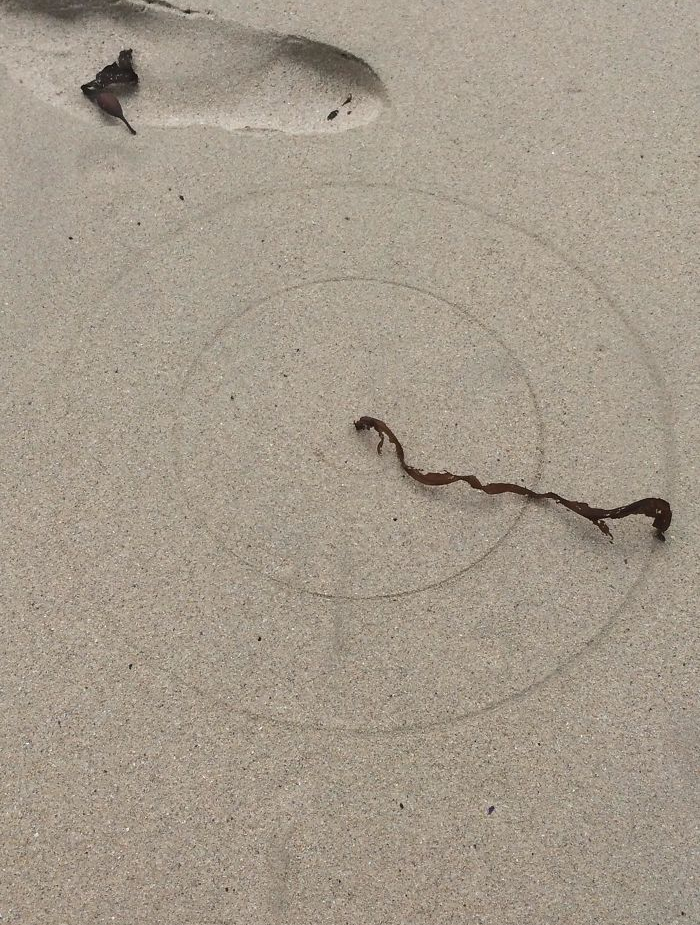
(332, 114)
(491, 809)
(181, 198)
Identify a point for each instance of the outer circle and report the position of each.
(487, 638)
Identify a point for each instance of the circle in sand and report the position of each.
(417, 309)
(271, 463)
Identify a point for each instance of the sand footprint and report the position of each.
(194, 68)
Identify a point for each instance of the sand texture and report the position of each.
(252, 672)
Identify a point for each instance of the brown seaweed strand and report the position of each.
(656, 508)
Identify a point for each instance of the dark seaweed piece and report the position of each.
(121, 72)
(656, 508)
(109, 103)
(332, 114)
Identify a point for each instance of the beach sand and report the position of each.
(251, 671)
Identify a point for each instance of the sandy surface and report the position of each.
(250, 673)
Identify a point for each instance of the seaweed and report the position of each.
(656, 508)
(121, 72)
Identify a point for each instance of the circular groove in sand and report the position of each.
(545, 594)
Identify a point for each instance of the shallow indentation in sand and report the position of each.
(194, 68)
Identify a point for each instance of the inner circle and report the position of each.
(270, 461)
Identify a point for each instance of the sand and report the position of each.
(250, 671)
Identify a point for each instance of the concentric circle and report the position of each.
(270, 462)
(250, 540)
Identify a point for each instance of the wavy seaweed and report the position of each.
(656, 508)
